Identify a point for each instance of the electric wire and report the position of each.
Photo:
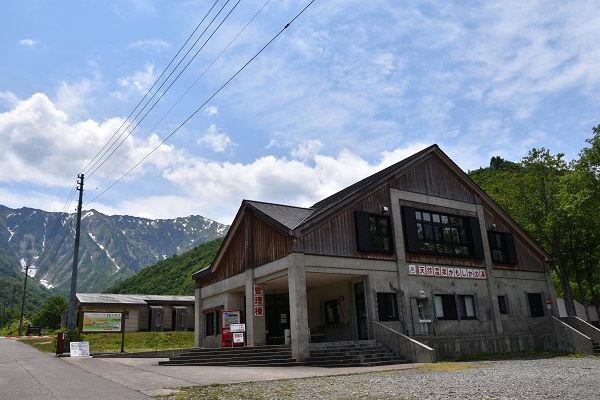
(111, 147)
(154, 84)
(204, 103)
(122, 160)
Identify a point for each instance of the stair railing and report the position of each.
(413, 350)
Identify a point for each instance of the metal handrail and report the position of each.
(410, 348)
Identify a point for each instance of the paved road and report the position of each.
(28, 374)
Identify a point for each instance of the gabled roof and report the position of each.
(141, 299)
(288, 216)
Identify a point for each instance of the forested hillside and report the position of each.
(171, 276)
(558, 203)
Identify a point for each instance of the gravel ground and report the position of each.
(553, 378)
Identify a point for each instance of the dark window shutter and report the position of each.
(509, 246)
(363, 237)
(410, 229)
(475, 232)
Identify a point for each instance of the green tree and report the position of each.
(49, 315)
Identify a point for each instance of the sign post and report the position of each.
(123, 331)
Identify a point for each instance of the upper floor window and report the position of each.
(374, 232)
(440, 233)
(502, 247)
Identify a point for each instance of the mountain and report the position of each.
(112, 248)
(171, 276)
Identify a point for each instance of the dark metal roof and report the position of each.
(109, 298)
(288, 216)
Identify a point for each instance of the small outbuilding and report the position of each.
(143, 312)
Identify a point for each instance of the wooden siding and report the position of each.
(254, 243)
(439, 259)
(336, 236)
(528, 259)
(431, 177)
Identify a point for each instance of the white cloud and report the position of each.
(28, 42)
(41, 144)
(8, 99)
(307, 149)
(139, 82)
(215, 139)
(150, 45)
(72, 98)
(211, 110)
(215, 189)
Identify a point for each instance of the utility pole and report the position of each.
(23, 301)
(73, 295)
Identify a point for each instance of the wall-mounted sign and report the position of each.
(101, 322)
(259, 299)
(238, 337)
(79, 349)
(447, 272)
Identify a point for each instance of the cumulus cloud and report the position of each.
(216, 140)
(28, 42)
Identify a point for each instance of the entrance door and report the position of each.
(536, 307)
(277, 317)
(361, 310)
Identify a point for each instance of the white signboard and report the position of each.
(447, 272)
(237, 327)
(80, 349)
(238, 337)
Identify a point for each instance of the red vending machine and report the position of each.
(228, 318)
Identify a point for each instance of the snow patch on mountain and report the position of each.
(103, 249)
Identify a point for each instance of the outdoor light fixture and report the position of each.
(384, 210)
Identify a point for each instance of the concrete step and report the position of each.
(249, 357)
(234, 363)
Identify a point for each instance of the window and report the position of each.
(466, 305)
(440, 233)
(445, 307)
(374, 232)
(502, 247)
(387, 306)
(332, 312)
(210, 323)
(502, 305)
(536, 307)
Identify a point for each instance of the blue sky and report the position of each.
(350, 88)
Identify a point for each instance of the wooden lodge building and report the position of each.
(416, 257)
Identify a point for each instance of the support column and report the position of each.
(298, 307)
(198, 318)
(249, 295)
(489, 267)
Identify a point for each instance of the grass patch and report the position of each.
(448, 366)
(283, 389)
(134, 341)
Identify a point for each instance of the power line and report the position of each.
(184, 93)
(157, 91)
(205, 102)
(154, 84)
